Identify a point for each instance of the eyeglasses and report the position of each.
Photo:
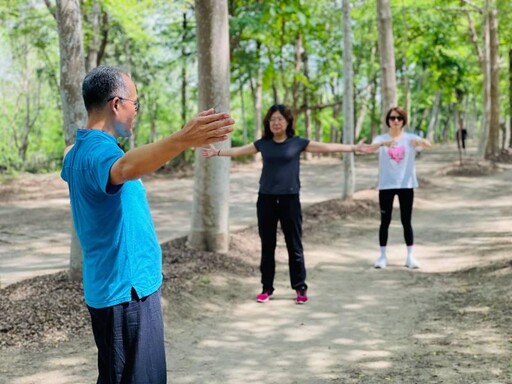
(277, 119)
(136, 103)
(395, 118)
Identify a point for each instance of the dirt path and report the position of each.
(361, 325)
(35, 218)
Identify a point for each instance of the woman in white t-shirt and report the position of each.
(397, 176)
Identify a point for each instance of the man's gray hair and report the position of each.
(101, 84)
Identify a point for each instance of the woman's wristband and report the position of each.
(218, 153)
(353, 147)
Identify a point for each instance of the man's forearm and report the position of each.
(147, 158)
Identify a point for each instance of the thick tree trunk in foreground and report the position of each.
(211, 179)
(72, 72)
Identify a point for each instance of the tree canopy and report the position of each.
(281, 51)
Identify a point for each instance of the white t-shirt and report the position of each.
(397, 163)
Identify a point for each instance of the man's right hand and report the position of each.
(207, 127)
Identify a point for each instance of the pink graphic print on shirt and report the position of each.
(397, 153)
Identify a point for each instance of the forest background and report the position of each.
(447, 62)
(280, 52)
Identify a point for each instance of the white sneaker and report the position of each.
(381, 263)
(411, 263)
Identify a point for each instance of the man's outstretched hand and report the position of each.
(207, 127)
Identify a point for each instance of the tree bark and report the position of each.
(296, 85)
(307, 111)
(486, 69)
(493, 143)
(363, 111)
(94, 47)
(510, 95)
(211, 179)
(72, 72)
(348, 104)
(434, 115)
(386, 58)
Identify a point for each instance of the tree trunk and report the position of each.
(72, 71)
(257, 97)
(211, 179)
(295, 85)
(373, 109)
(486, 69)
(434, 117)
(244, 120)
(510, 95)
(363, 111)
(181, 158)
(387, 58)
(94, 46)
(334, 134)
(184, 74)
(446, 126)
(348, 104)
(493, 143)
(307, 111)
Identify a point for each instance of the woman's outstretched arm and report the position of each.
(361, 147)
(248, 149)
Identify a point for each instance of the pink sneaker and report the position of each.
(302, 297)
(263, 297)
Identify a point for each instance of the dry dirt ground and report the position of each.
(448, 322)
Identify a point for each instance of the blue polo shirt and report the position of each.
(113, 223)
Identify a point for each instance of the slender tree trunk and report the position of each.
(510, 95)
(387, 58)
(334, 130)
(363, 111)
(296, 84)
(72, 71)
(211, 179)
(486, 69)
(184, 74)
(405, 67)
(493, 143)
(307, 111)
(181, 158)
(446, 126)
(244, 120)
(434, 117)
(373, 109)
(348, 104)
(473, 118)
(94, 45)
(257, 97)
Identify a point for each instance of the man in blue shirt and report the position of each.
(122, 260)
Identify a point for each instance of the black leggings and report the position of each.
(406, 199)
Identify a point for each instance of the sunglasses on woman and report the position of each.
(396, 118)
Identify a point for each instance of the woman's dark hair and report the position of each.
(287, 114)
(101, 84)
(398, 110)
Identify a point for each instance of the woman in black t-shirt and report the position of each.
(278, 196)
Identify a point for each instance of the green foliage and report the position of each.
(156, 40)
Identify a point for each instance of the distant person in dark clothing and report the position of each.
(461, 138)
(278, 197)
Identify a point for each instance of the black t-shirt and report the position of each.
(281, 165)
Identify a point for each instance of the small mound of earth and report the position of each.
(469, 168)
(334, 209)
(505, 156)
